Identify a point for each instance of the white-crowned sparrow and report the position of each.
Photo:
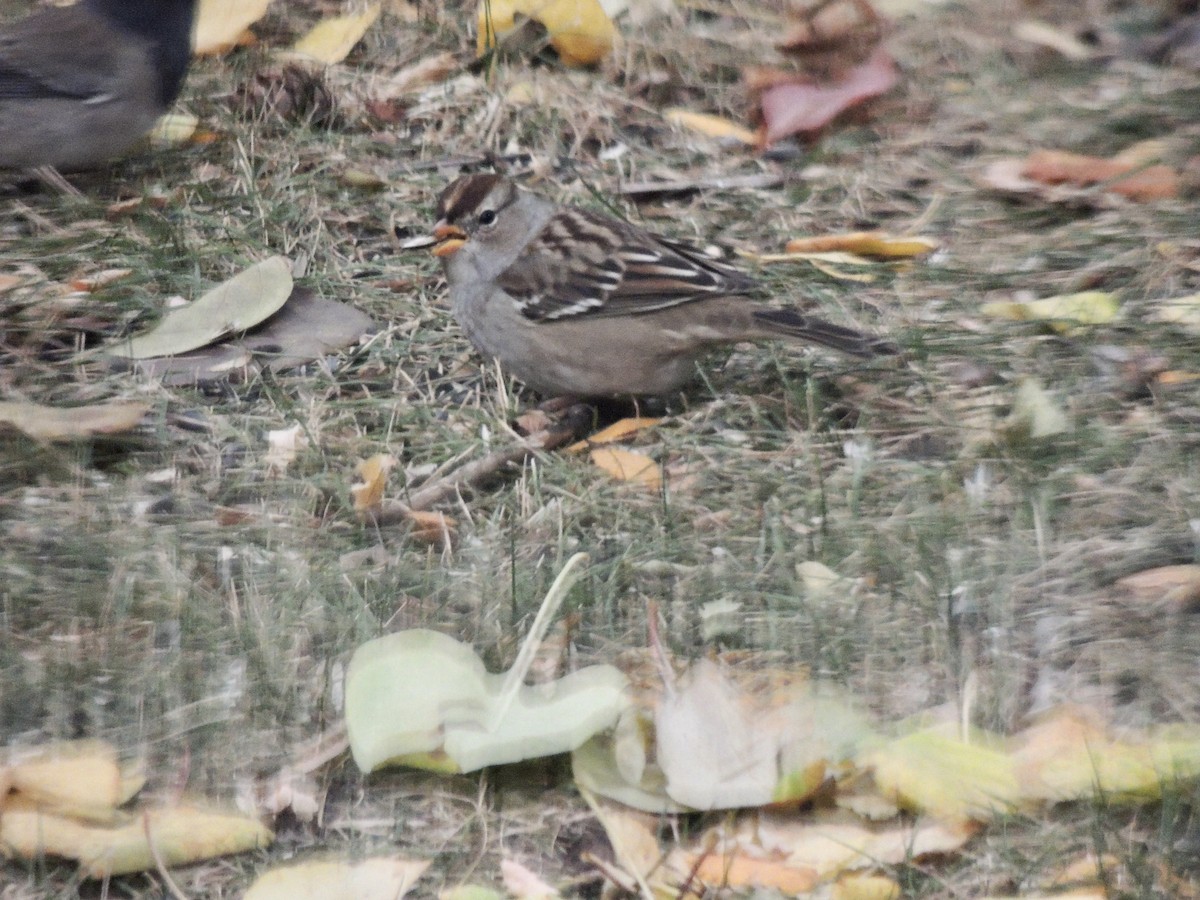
(81, 84)
(576, 303)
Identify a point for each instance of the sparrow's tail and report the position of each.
(791, 324)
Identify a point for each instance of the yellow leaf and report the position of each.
(579, 30)
(220, 24)
(866, 887)
(181, 835)
(368, 493)
(372, 879)
(614, 432)
(54, 423)
(946, 776)
(1068, 755)
(1063, 313)
(174, 129)
(73, 773)
(626, 465)
(864, 243)
(710, 125)
(331, 40)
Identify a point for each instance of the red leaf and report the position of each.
(795, 108)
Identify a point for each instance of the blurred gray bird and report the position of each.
(81, 84)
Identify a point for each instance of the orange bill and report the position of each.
(449, 239)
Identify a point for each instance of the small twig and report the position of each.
(159, 863)
(477, 471)
(515, 676)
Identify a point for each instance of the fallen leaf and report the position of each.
(627, 465)
(522, 883)
(174, 129)
(1182, 311)
(866, 887)
(430, 526)
(382, 878)
(710, 125)
(722, 871)
(1046, 35)
(864, 243)
(282, 446)
(1068, 755)
(395, 711)
(617, 431)
(1064, 313)
(1122, 177)
(795, 108)
(73, 774)
(98, 279)
(470, 892)
(1035, 414)
(181, 835)
(331, 40)
(242, 302)
(373, 471)
(579, 30)
(1178, 586)
(424, 72)
(938, 773)
(220, 24)
(829, 841)
(59, 423)
(308, 327)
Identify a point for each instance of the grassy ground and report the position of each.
(133, 608)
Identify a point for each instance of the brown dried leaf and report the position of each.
(1060, 167)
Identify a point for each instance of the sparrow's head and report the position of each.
(480, 209)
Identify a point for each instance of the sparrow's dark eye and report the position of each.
(487, 217)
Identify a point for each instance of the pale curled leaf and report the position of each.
(180, 834)
(395, 710)
(73, 773)
(242, 302)
(524, 884)
(57, 423)
(382, 878)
